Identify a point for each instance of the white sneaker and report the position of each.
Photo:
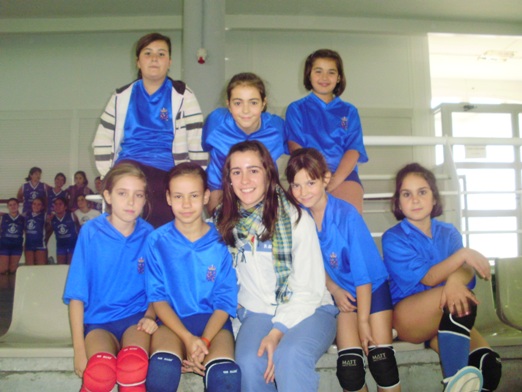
(467, 379)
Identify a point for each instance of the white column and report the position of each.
(204, 27)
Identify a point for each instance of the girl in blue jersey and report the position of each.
(80, 187)
(65, 226)
(323, 121)
(111, 321)
(287, 314)
(32, 189)
(36, 229)
(244, 118)
(12, 227)
(155, 122)
(192, 285)
(432, 275)
(355, 276)
(57, 191)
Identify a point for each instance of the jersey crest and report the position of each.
(211, 273)
(334, 263)
(164, 114)
(344, 123)
(141, 265)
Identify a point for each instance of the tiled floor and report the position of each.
(6, 301)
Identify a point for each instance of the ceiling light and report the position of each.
(497, 55)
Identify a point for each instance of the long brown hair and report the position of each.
(228, 215)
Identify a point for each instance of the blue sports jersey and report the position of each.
(12, 230)
(30, 193)
(35, 230)
(65, 231)
(107, 272)
(149, 131)
(350, 256)
(221, 132)
(193, 277)
(332, 128)
(52, 196)
(409, 254)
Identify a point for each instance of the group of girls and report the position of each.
(297, 267)
(45, 209)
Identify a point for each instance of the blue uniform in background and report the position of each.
(11, 234)
(221, 132)
(409, 254)
(193, 277)
(107, 272)
(52, 196)
(350, 256)
(35, 231)
(30, 193)
(65, 232)
(332, 128)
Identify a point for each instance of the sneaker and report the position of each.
(467, 379)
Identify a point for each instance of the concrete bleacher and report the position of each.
(36, 353)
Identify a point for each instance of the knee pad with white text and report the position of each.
(100, 373)
(350, 369)
(383, 366)
(222, 375)
(131, 366)
(164, 372)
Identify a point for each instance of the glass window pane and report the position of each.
(488, 179)
(490, 202)
(482, 124)
(494, 245)
(492, 154)
(503, 223)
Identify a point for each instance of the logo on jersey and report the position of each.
(333, 260)
(211, 273)
(164, 114)
(12, 228)
(62, 229)
(31, 224)
(33, 195)
(344, 123)
(141, 265)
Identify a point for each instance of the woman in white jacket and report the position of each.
(287, 314)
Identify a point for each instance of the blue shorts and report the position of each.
(11, 250)
(381, 299)
(196, 324)
(354, 176)
(64, 251)
(35, 245)
(117, 327)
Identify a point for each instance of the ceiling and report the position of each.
(452, 56)
(477, 10)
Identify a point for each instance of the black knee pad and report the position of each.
(489, 363)
(383, 366)
(461, 325)
(222, 375)
(350, 369)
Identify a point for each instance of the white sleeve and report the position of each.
(307, 279)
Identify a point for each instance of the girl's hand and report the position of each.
(479, 263)
(147, 325)
(80, 363)
(342, 300)
(269, 344)
(196, 351)
(365, 335)
(457, 298)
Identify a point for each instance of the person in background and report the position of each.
(324, 121)
(84, 212)
(56, 191)
(36, 232)
(12, 227)
(80, 187)
(31, 190)
(65, 226)
(154, 122)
